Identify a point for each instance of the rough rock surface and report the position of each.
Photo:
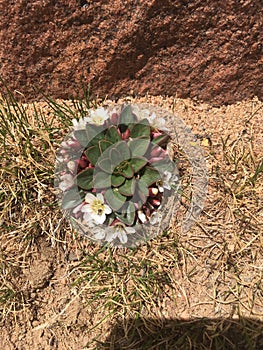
(211, 50)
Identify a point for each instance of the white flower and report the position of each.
(155, 218)
(67, 182)
(167, 181)
(119, 231)
(98, 116)
(80, 124)
(95, 208)
(72, 166)
(157, 122)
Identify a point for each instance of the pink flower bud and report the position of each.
(126, 134)
(155, 159)
(83, 162)
(114, 118)
(77, 215)
(156, 202)
(156, 152)
(73, 143)
(136, 205)
(156, 134)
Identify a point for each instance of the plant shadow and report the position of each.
(203, 333)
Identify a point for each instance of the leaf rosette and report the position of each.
(116, 175)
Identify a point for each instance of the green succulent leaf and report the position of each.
(91, 132)
(128, 188)
(141, 129)
(103, 145)
(106, 165)
(164, 165)
(112, 134)
(102, 180)
(143, 188)
(82, 137)
(72, 198)
(114, 199)
(85, 179)
(139, 146)
(94, 133)
(150, 176)
(127, 117)
(141, 193)
(117, 180)
(161, 140)
(115, 156)
(126, 170)
(124, 150)
(128, 215)
(93, 154)
(138, 163)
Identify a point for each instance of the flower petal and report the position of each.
(88, 220)
(100, 234)
(155, 218)
(77, 208)
(141, 216)
(122, 237)
(100, 197)
(130, 230)
(89, 198)
(86, 208)
(107, 209)
(99, 219)
(67, 182)
(110, 235)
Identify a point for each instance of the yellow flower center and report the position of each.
(97, 207)
(97, 120)
(119, 227)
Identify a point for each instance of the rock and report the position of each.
(210, 50)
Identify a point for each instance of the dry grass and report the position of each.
(197, 290)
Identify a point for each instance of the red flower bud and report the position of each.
(83, 162)
(153, 191)
(115, 221)
(126, 134)
(156, 202)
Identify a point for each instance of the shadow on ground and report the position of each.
(204, 333)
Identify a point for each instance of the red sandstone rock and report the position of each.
(211, 50)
